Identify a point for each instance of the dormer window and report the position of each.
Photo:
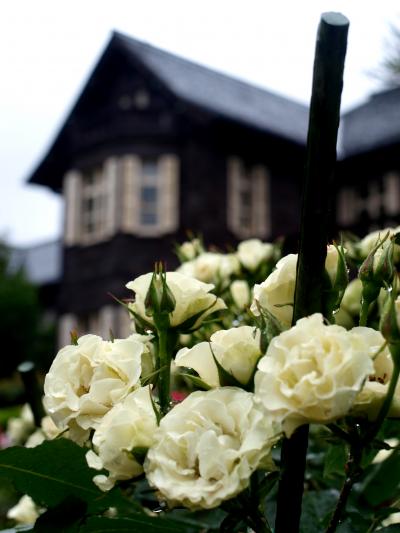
(248, 206)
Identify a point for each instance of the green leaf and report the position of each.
(335, 460)
(267, 484)
(54, 471)
(199, 383)
(383, 484)
(64, 518)
(142, 524)
(226, 379)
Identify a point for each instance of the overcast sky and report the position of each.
(48, 48)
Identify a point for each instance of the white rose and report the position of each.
(351, 301)
(368, 243)
(313, 372)
(208, 446)
(191, 295)
(19, 428)
(128, 425)
(190, 249)
(253, 251)
(237, 350)
(25, 511)
(369, 401)
(211, 267)
(240, 292)
(86, 380)
(276, 293)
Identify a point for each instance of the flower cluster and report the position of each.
(242, 383)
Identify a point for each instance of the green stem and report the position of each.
(364, 312)
(164, 376)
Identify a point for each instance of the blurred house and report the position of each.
(157, 145)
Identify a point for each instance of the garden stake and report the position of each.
(314, 231)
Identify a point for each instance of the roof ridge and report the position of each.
(211, 70)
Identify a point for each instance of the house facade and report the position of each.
(156, 146)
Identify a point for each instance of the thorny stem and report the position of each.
(353, 464)
(354, 471)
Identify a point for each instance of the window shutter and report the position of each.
(261, 204)
(131, 173)
(107, 321)
(347, 207)
(66, 324)
(72, 197)
(235, 171)
(391, 193)
(111, 207)
(168, 206)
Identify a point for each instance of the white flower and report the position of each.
(253, 251)
(240, 292)
(191, 295)
(369, 401)
(237, 350)
(208, 446)
(368, 243)
(211, 267)
(313, 372)
(19, 428)
(276, 293)
(190, 249)
(86, 380)
(129, 425)
(25, 511)
(351, 301)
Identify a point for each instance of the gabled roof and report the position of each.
(203, 87)
(372, 125)
(225, 95)
(41, 264)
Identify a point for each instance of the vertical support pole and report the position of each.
(315, 220)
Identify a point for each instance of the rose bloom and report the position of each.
(276, 293)
(368, 243)
(211, 267)
(25, 511)
(313, 372)
(240, 292)
(253, 251)
(208, 446)
(128, 425)
(191, 295)
(237, 350)
(86, 380)
(369, 401)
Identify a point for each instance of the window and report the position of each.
(150, 199)
(129, 194)
(93, 206)
(248, 206)
(380, 202)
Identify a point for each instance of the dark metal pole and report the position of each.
(315, 221)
